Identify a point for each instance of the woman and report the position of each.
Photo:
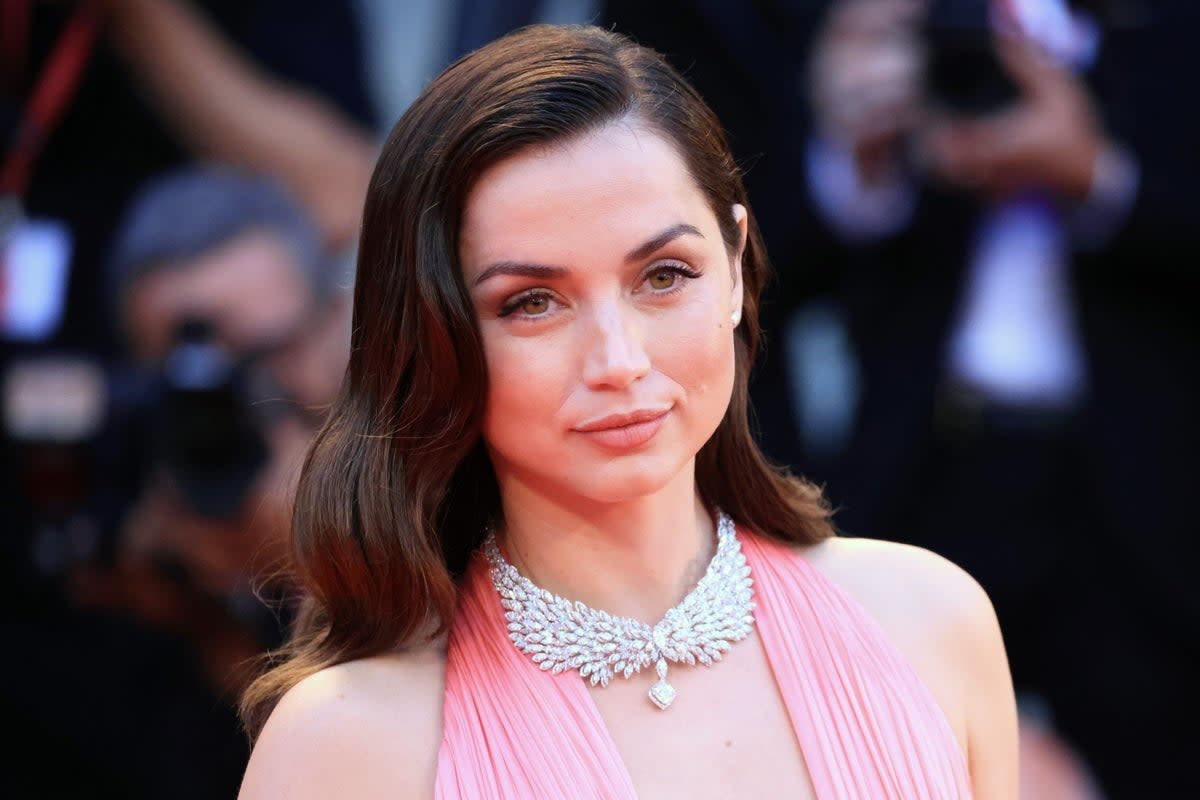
(541, 450)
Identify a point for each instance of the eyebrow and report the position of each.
(662, 240)
(546, 271)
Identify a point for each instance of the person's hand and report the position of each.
(171, 571)
(1050, 138)
(224, 106)
(214, 553)
(865, 76)
(220, 556)
(208, 562)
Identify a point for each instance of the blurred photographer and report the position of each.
(237, 322)
(1012, 184)
(986, 96)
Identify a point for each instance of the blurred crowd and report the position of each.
(984, 216)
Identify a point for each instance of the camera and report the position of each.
(207, 438)
(83, 439)
(963, 73)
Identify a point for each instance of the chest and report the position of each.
(727, 734)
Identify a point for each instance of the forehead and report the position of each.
(613, 186)
(253, 277)
(251, 260)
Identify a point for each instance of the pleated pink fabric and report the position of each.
(867, 725)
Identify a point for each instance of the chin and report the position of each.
(605, 481)
(622, 491)
(622, 479)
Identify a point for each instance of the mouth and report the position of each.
(624, 431)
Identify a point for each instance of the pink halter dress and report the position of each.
(868, 727)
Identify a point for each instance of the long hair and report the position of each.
(397, 489)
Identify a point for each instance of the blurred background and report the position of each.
(982, 339)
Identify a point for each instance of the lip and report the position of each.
(626, 430)
(624, 420)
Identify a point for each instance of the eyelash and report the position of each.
(682, 270)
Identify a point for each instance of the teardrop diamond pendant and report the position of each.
(560, 635)
(662, 694)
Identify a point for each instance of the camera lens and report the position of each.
(211, 444)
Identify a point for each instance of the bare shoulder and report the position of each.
(892, 579)
(367, 728)
(933, 612)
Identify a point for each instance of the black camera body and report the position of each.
(82, 440)
(189, 418)
(963, 73)
(206, 436)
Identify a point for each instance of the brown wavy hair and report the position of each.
(397, 489)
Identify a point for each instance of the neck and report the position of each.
(636, 558)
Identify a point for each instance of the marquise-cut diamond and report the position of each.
(562, 635)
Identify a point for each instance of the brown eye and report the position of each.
(534, 305)
(663, 279)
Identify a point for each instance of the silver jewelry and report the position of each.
(561, 635)
(735, 316)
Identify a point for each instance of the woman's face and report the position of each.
(604, 293)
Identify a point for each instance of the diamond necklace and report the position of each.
(562, 635)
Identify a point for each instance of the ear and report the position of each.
(735, 300)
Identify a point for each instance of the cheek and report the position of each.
(696, 351)
(525, 387)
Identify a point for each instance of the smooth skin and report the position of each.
(581, 319)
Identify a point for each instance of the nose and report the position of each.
(615, 357)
